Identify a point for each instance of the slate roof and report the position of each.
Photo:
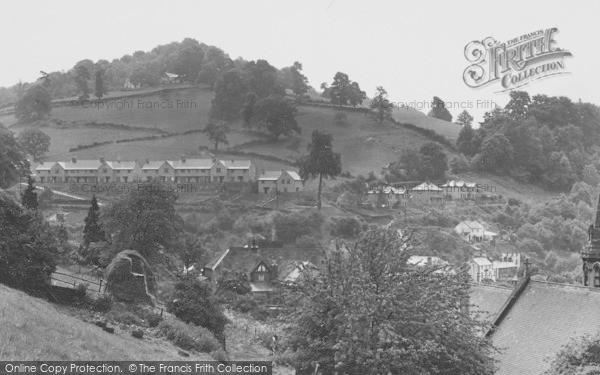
(460, 184)
(80, 165)
(426, 186)
(275, 175)
(543, 318)
(487, 300)
(420, 260)
(472, 224)
(481, 261)
(153, 164)
(387, 190)
(192, 164)
(236, 164)
(45, 166)
(121, 164)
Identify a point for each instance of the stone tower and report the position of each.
(591, 254)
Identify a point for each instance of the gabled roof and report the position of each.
(420, 260)
(153, 164)
(472, 224)
(481, 261)
(236, 164)
(121, 164)
(80, 165)
(275, 175)
(426, 186)
(459, 184)
(192, 164)
(543, 317)
(387, 190)
(487, 300)
(45, 166)
(501, 265)
(171, 75)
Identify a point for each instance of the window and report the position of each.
(118, 171)
(129, 171)
(261, 268)
(596, 275)
(218, 170)
(261, 277)
(104, 170)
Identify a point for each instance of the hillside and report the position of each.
(365, 144)
(33, 329)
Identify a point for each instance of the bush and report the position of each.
(291, 226)
(308, 242)
(188, 337)
(192, 302)
(126, 317)
(245, 304)
(102, 303)
(346, 227)
(151, 318)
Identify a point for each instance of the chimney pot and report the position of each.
(74, 159)
(147, 161)
(101, 159)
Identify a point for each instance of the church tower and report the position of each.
(591, 253)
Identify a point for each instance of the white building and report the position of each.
(480, 268)
(281, 181)
(470, 230)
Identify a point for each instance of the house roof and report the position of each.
(459, 184)
(426, 186)
(80, 164)
(45, 166)
(498, 265)
(192, 164)
(275, 175)
(236, 164)
(481, 261)
(121, 164)
(472, 224)
(543, 317)
(487, 300)
(387, 190)
(420, 260)
(171, 75)
(153, 164)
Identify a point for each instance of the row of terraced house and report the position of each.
(177, 171)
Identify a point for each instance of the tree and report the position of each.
(230, 92)
(357, 96)
(34, 105)
(236, 282)
(464, 118)
(299, 81)
(381, 104)
(435, 161)
(407, 167)
(321, 161)
(34, 141)
(458, 164)
(193, 302)
(341, 89)
(99, 88)
(13, 162)
(496, 153)
(217, 132)
(188, 60)
(28, 247)
(92, 230)
(248, 109)
(369, 312)
(577, 357)
(81, 77)
(591, 175)
(261, 78)
(465, 140)
(29, 196)
(439, 110)
(143, 219)
(191, 250)
(519, 104)
(276, 115)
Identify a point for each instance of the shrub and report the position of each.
(192, 302)
(102, 303)
(308, 242)
(188, 337)
(126, 317)
(346, 227)
(245, 304)
(81, 291)
(151, 318)
(291, 226)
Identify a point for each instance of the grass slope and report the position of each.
(33, 329)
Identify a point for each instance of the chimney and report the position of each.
(214, 160)
(101, 159)
(74, 159)
(147, 161)
(182, 158)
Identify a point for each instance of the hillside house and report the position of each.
(480, 268)
(158, 171)
(427, 193)
(170, 78)
(470, 231)
(507, 267)
(239, 170)
(49, 172)
(279, 181)
(80, 170)
(119, 171)
(461, 189)
(388, 196)
(191, 170)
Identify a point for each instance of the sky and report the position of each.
(415, 50)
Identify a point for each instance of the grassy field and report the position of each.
(32, 329)
(449, 130)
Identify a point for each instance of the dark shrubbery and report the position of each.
(291, 226)
(187, 336)
(346, 227)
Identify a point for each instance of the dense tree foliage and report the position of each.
(276, 116)
(464, 118)
(428, 163)
(34, 141)
(439, 110)
(29, 197)
(92, 230)
(28, 247)
(35, 104)
(343, 91)
(143, 219)
(552, 141)
(321, 161)
(13, 163)
(369, 312)
(578, 357)
(216, 131)
(381, 104)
